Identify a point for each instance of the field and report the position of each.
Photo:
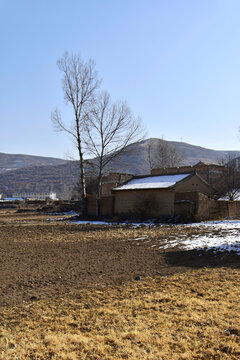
(89, 291)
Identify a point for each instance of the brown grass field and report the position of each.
(72, 291)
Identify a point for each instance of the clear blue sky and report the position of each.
(176, 62)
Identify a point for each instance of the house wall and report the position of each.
(106, 205)
(91, 205)
(191, 205)
(194, 184)
(106, 188)
(154, 203)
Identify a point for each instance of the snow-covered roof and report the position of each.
(152, 182)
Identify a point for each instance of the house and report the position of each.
(156, 193)
(214, 174)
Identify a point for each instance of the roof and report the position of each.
(207, 164)
(152, 182)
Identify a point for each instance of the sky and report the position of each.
(176, 63)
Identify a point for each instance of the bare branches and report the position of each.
(110, 128)
(163, 155)
(80, 83)
(102, 127)
(58, 123)
(229, 183)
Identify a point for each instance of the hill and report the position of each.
(134, 159)
(17, 161)
(60, 176)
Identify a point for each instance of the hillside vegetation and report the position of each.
(61, 176)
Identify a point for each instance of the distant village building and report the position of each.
(35, 196)
(187, 191)
(1, 196)
(155, 195)
(212, 173)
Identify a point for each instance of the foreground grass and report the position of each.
(194, 315)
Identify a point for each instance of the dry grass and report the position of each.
(190, 316)
(194, 315)
(25, 224)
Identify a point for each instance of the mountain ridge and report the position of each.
(61, 175)
(10, 162)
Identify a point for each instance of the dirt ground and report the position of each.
(44, 258)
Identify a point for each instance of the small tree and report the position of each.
(229, 184)
(110, 128)
(80, 83)
(163, 155)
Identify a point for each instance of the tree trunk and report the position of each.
(83, 206)
(99, 193)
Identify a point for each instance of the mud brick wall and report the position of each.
(185, 203)
(194, 205)
(91, 205)
(210, 209)
(106, 205)
(173, 170)
(202, 207)
(234, 208)
(107, 188)
(223, 209)
(184, 208)
(151, 202)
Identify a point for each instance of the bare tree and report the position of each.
(163, 155)
(110, 128)
(228, 185)
(80, 83)
(150, 157)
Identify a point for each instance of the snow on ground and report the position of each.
(227, 237)
(127, 223)
(217, 236)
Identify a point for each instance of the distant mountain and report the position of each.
(17, 161)
(134, 159)
(192, 153)
(60, 176)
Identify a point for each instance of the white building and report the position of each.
(36, 196)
